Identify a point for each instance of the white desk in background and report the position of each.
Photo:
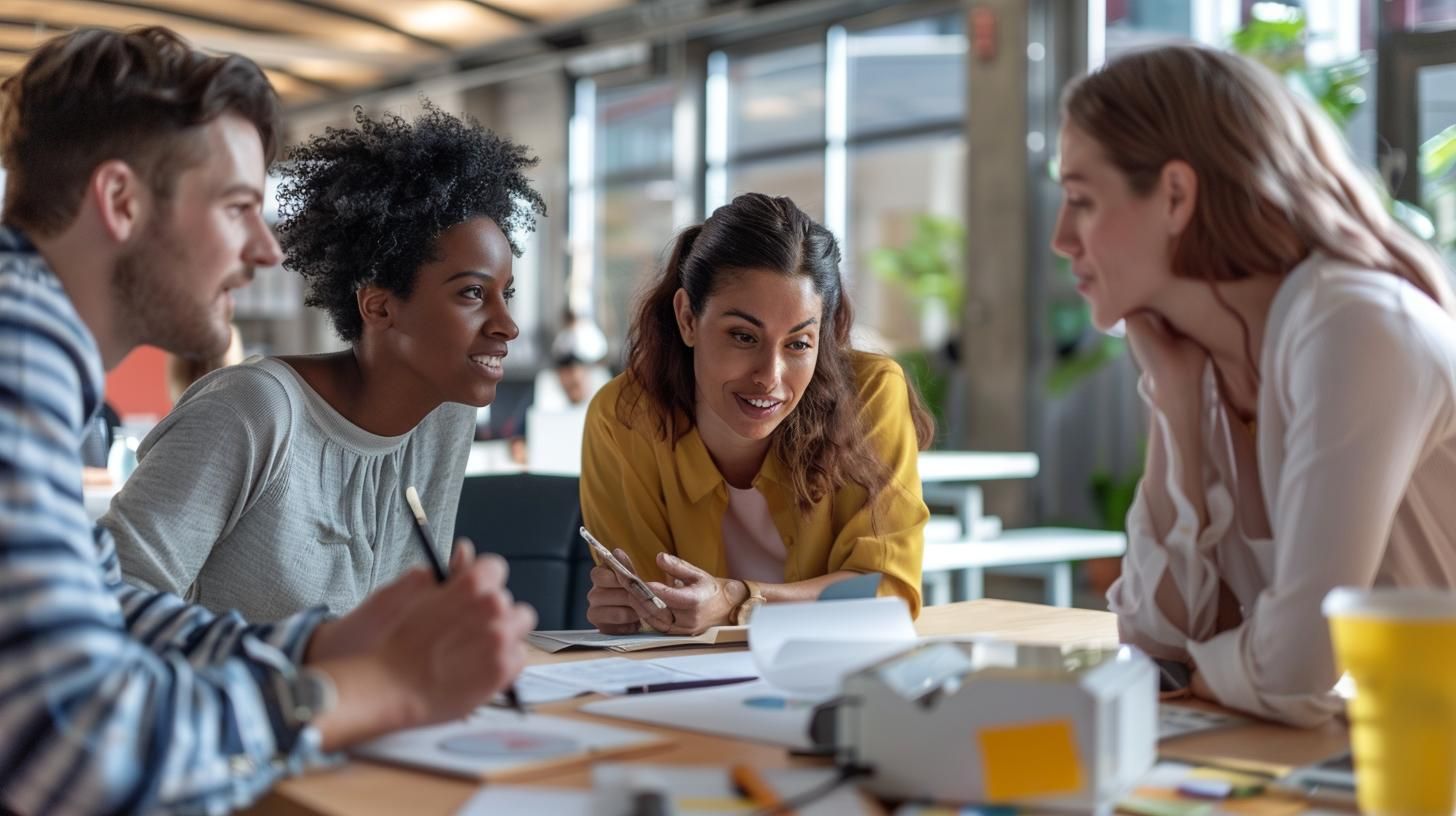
(939, 467)
(976, 466)
(954, 568)
(953, 477)
(958, 551)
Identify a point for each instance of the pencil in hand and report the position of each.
(422, 526)
(427, 538)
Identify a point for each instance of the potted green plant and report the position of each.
(928, 268)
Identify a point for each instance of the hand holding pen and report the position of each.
(422, 526)
(417, 652)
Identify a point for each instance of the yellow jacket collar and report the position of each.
(700, 475)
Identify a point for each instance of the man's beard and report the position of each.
(156, 306)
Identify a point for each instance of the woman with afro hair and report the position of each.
(279, 484)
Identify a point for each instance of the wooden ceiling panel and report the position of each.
(552, 11)
(293, 88)
(20, 37)
(335, 72)
(330, 21)
(56, 16)
(10, 63)
(460, 23)
(312, 50)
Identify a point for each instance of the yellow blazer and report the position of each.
(645, 495)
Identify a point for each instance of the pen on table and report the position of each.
(422, 526)
(680, 685)
(754, 788)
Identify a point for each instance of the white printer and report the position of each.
(978, 721)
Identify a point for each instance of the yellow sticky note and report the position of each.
(1029, 759)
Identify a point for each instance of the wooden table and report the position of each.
(365, 788)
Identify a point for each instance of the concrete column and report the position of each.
(995, 342)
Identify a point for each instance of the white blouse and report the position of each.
(1355, 463)
(755, 551)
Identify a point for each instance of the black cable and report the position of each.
(847, 773)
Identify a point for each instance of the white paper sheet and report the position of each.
(556, 640)
(608, 675)
(1178, 721)
(753, 711)
(503, 800)
(719, 665)
(538, 690)
(810, 647)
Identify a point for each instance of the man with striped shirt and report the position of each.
(132, 208)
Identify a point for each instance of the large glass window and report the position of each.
(1436, 98)
(1325, 47)
(863, 129)
(766, 131)
(1431, 13)
(635, 229)
(906, 195)
(623, 204)
(906, 75)
(634, 129)
(1135, 24)
(776, 99)
(799, 176)
(906, 146)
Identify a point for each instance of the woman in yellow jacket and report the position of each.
(748, 454)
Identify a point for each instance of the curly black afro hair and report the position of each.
(365, 206)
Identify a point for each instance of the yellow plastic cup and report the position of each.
(1399, 648)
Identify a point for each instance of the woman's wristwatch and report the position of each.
(755, 599)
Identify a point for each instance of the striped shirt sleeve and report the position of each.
(112, 700)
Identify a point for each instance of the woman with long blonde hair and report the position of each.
(1298, 351)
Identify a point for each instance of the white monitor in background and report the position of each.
(553, 440)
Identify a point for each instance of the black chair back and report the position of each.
(532, 522)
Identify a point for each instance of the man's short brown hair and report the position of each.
(138, 96)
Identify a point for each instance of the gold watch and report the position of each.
(755, 599)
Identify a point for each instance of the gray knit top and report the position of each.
(255, 494)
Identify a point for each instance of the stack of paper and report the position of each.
(810, 647)
(613, 675)
(801, 652)
(556, 640)
(610, 675)
(1178, 721)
